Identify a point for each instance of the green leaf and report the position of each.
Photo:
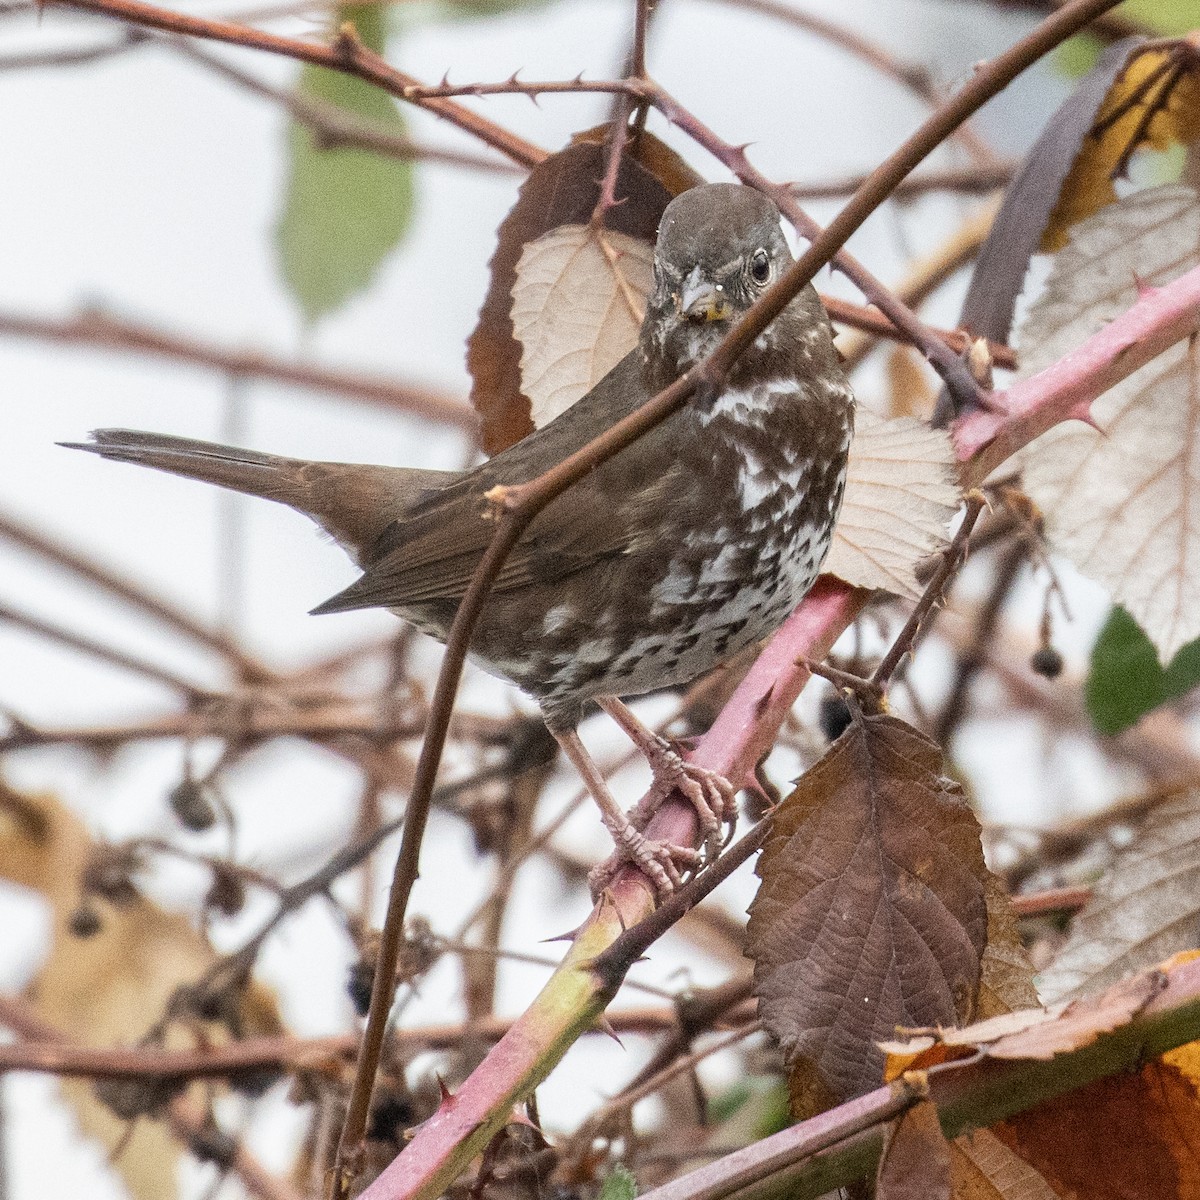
(619, 1184)
(439, 11)
(345, 209)
(1127, 680)
(1167, 18)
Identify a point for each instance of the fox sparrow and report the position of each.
(673, 555)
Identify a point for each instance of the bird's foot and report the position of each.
(663, 863)
(709, 793)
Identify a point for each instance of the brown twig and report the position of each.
(105, 653)
(333, 126)
(973, 180)
(971, 659)
(104, 330)
(952, 559)
(915, 78)
(346, 53)
(842, 312)
(154, 606)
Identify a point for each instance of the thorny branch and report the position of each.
(520, 507)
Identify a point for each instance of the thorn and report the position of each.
(519, 1117)
(752, 785)
(569, 936)
(445, 80)
(447, 1100)
(760, 705)
(602, 1024)
(1083, 412)
(1144, 290)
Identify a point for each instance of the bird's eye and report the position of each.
(760, 266)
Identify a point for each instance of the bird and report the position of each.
(682, 549)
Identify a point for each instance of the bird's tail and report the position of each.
(248, 471)
(353, 503)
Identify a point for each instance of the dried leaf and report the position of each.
(1082, 1021)
(561, 190)
(915, 1163)
(1123, 504)
(1037, 1033)
(1003, 260)
(982, 1167)
(1006, 977)
(901, 492)
(910, 392)
(1126, 1136)
(107, 989)
(1149, 103)
(871, 912)
(578, 303)
(1144, 909)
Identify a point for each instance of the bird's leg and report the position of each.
(710, 793)
(661, 861)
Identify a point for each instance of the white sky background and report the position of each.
(147, 185)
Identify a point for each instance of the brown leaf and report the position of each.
(1082, 1021)
(1000, 269)
(1122, 504)
(982, 1167)
(901, 492)
(915, 1164)
(871, 912)
(1143, 909)
(561, 190)
(1119, 1138)
(1006, 980)
(578, 304)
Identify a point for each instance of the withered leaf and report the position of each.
(871, 912)
(1017, 232)
(1154, 101)
(107, 989)
(915, 1164)
(1145, 907)
(1006, 976)
(561, 190)
(982, 1167)
(1082, 1021)
(578, 302)
(1036, 1033)
(901, 492)
(1123, 504)
(1128, 1135)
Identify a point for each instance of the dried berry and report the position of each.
(1047, 661)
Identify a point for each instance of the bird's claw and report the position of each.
(663, 863)
(709, 792)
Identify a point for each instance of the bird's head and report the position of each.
(719, 248)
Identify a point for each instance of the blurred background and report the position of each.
(145, 186)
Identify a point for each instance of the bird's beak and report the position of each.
(701, 300)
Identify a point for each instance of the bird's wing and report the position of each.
(431, 554)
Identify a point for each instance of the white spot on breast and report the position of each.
(556, 618)
(676, 586)
(721, 569)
